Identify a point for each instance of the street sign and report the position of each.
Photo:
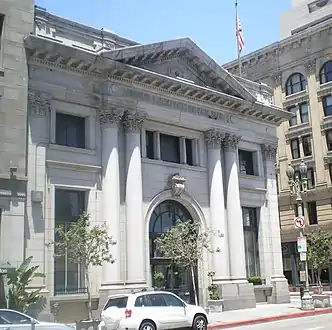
(301, 244)
(303, 256)
(302, 276)
(299, 222)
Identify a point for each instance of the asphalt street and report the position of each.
(319, 322)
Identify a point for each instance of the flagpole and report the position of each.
(237, 39)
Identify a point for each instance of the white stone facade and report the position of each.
(170, 88)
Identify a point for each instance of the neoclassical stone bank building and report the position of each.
(140, 136)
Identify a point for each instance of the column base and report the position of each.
(237, 295)
(280, 291)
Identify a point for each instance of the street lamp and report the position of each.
(298, 185)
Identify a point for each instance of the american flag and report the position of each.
(239, 35)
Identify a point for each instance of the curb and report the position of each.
(267, 319)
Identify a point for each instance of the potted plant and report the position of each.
(184, 246)
(159, 280)
(215, 302)
(255, 280)
(88, 246)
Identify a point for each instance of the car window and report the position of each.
(155, 300)
(140, 301)
(119, 302)
(14, 318)
(172, 301)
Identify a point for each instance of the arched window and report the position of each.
(325, 74)
(295, 83)
(163, 218)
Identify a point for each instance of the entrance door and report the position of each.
(166, 276)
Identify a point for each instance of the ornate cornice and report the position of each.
(269, 152)
(231, 141)
(133, 121)
(310, 66)
(214, 138)
(39, 103)
(110, 116)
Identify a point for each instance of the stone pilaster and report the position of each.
(269, 232)
(133, 122)
(110, 117)
(220, 266)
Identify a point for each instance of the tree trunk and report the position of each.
(319, 272)
(194, 284)
(88, 292)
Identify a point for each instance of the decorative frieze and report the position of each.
(39, 104)
(133, 121)
(231, 141)
(269, 152)
(110, 116)
(310, 66)
(214, 138)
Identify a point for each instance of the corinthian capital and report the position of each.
(231, 141)
(110, 116)
(213, 138)
(269, 152)
(39, 104)
(133, 121)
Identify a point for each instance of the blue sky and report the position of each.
(210, 23)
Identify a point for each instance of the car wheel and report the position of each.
(199, 323)
(147, 325)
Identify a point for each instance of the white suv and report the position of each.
(151, 310)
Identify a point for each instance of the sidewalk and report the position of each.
(261, 314)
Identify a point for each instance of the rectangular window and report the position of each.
(70, 130)
(277, 183)
(295, 148)
(246, 162)
(311, 178)
(306, 143)
(149, 144)
(327, 105)
(170, 148)
(293, 120)
(296, 210)
(68, 275)
(250, 230)
(189, 152)
(330, 170)
(328, 135)
(304, 112)
(312, 213)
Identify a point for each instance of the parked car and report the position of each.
(13, 320)
(151, 310)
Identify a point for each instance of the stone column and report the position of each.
(213, 139)
(133, 122)
(280, 292)
(109, 120)
(234, 210)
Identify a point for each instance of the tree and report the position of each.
(184, 245)
(86, 245)
(319, 250)
(19, 297)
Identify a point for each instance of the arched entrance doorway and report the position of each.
(179, 281)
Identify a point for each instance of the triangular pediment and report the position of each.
(183, 59)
